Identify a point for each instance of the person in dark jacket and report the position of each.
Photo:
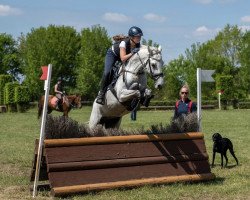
(184, 106)
(120, 51)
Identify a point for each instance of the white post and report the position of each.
(199, 98)
(39, 153)
(219, 100)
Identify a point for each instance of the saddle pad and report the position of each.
(53, 101)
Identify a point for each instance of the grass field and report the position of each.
(18, 132)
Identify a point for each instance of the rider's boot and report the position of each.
(100, 99)
(57, 104)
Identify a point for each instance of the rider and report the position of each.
(120, 51)
(59, 91)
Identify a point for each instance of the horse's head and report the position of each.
(154, 66)
(77, 101)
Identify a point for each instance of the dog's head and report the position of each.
(216, 137)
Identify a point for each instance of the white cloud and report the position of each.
(245, 28)
(245, 18)
(6, 10)
(154, 18)
(204, 1)
(115, 17)
(204, 31)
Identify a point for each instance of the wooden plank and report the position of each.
(124, 150)
(81, 177)
(61, 191)
(43, 176)
(121, 139)
(71, 166)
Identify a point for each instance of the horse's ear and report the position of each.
(159, 48)
(150, 51)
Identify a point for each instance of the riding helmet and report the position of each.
(135, 31)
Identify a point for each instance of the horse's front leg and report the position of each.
(146, 97)
(126, 95)
(65, 113)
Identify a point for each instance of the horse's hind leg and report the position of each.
(40, 108)
(95, 117)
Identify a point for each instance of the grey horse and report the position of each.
(130, 87)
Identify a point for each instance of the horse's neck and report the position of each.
(70, 98)
(136, 63)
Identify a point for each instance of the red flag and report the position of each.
(45, 72)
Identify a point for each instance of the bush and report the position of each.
(9, 96)
(22, 98)
(3, 80)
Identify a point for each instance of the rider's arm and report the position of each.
(123, 54)
(57, 91)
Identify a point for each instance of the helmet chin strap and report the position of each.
(132, 40)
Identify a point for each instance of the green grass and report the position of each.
(19, 130)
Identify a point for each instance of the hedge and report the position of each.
(3, 80)
(9, 96)
(22, 94)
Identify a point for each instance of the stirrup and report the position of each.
(100, 98)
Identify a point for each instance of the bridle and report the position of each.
(154, 76)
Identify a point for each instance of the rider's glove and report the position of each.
(135, 50)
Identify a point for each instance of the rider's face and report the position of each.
(136, 39)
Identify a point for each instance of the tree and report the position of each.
(94, 44)
(245, 62)
(58, 45)
(9, 62)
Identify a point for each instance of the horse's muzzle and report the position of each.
(159, 87)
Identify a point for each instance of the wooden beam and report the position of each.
(100, 164)
(121, 139)
(66, 190)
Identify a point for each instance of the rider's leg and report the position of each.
(57, 104)
(58, 101)
(110, 60)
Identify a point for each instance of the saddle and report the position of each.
(60, 101)
(114, 73)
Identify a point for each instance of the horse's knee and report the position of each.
(129, 94)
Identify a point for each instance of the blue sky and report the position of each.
(174, 24)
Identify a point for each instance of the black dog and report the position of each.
(221, 145)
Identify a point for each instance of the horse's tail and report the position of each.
(40, 108)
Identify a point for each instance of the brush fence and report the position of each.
(100, 163)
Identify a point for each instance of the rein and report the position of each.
(144, 65)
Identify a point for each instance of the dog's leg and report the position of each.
(225, 155)
(213, 159)
(232, 152)
(221, 157)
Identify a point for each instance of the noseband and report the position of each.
(154, 76)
